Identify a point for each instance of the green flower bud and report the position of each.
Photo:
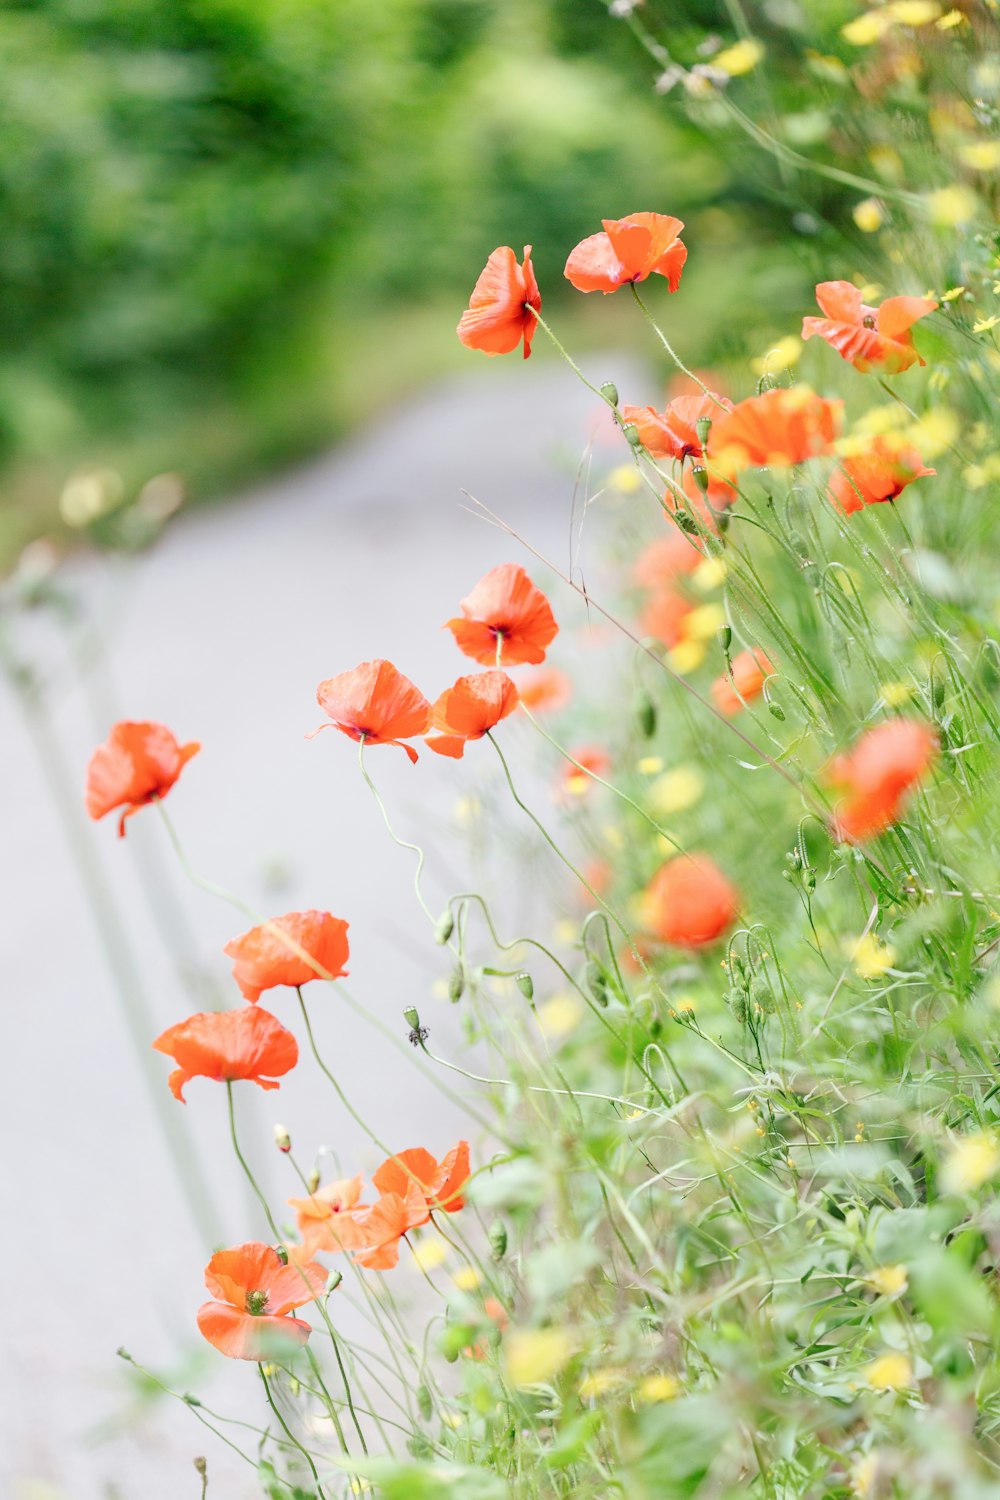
(498, 1239)
(456, 985)
(525, 984)
(412, 1017)
(333, 1281)
(777, 711)
(610, 392)
(725, 637)
(312, 1181)
(645, 713)
(686, 523)
(631, 434)
(700, 476)
(444, 928)
(597, 982)
(424, 1405)
(703, 427)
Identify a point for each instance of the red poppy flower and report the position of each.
(469, 710)
(137, 764)
(384, 1225)
(629, 249)
(666, 559)
(255, 1291)
(673, 433)
(328, 1219)
(750, 669)
(440, 1182)
(875, 777)
(545, 691)
(374, 703)
(505, 619)
(780, 428)
(872, 338)
(499, 314)
(593, 760)
(279, 952)
(664, 615)
(689, 903)
(229, 1046)
(881, 473)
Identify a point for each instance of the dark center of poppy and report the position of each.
(868, 321)
(498, 631)
(256, 1303)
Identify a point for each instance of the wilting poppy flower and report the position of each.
(731, 695)
(666, 559)
(229, 1046)
(137, 764)
(440, 1182)
(375, 703)
(872, 338)
(663, 616)
(263, 959)
(673, 433)
(505, 619)
(880, 473)
(469, 710)
(629, 249)
(594, 762)
(328, 1218)
(255, 1292)
(875, 777)
(545, 691)
(689, 903)
(780, 428)
(499, 314)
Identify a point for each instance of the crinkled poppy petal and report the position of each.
(494, 320)
(232, 1273)
(279, 952)
(897, 315)
(593, 266)
(293, 1286)
(452, 745)
(399, 1173)
(840, 301)
(238, 1335)
(452, 1175)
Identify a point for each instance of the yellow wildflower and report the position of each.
(951, 206)
(534, 1355)
(559, 1016)
(466, 1278)
(781, 356)
(869, 215)
(741, 58)
(658, 1388)
(888, 1281)
(676, 790)
(971, 1161)
(872, 957)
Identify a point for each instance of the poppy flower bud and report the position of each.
(412, 1017)
(444, 928)
(498, 1239)
(700, 477)
(703, 427)
(282, 1254)
(937, 693)
(597, 982)
(686, 523)
(630, 432)
(333, 1281)
(201, 1466)
(610, 392)
(424, 1402)
(456, 985)
(725, 634)
(777, 711)
(282, 1139)
(190, 1400)
(312, 1181)
(525, 984)
(645, 713)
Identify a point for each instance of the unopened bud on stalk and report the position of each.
(525, 984)
(631, 434)
(312, 1181)
(424, 1402)
(700, 476)
(645, 713)
(282, 1139)
(703, 427)
(333, 1281)
(282, 1254)
(777, 711)
(597, 982)
(610, 392)
(201, 1466)
(686, 523)
(725, 634)
(444, 928)
(937, 693)
(498, 1239)
(456, 985)
(412, 1017)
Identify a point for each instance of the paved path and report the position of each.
(223, 632)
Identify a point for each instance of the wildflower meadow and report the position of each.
(725, 1222)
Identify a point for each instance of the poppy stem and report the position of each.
(403, 843)
(258, 1194)
(572, 362)
(672, 351)
(291, 1436)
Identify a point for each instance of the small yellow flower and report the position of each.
(649, 765)
(534, 1355)
(467, 809)
(936, 431)
(950, 19)
(599, 1382)
(685, 1006)
(687, 656)
(704, 622)
(863, 1475)
(89, 495)
(658, 1388)
(914, 12)
(871, 957)
(559, 1016)
(466, 1278)
(781, 356)
(981, 156)
(890, 1372)
(741, 58)
(985, 324)
(888, 1281)
(565, 932)
(869, 215)
(709, 574)
(626, 479)
(451, 1419)
(676, 790)
(952, 294)
(864, 30)
(613, 836)
(952, 206)
(971, 1161)
(429, 1254)
(895, 693)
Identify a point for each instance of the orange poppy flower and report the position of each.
(880, 474)
(780, 428)
(505, 619)
(673, 433)
(262, 959)
(872, 338)
(877, 774)
(689, 903)
(499, 314)
(664, 615)
(328, 1218)
(440, 1182)
(629, 249)
(731, 695)
(229, 1046)
(595, 762)
(384, 1225)
(469, 710)
(374, 703)
(546, 691)
(137, 764)
(666, 559)
(255, 1291)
